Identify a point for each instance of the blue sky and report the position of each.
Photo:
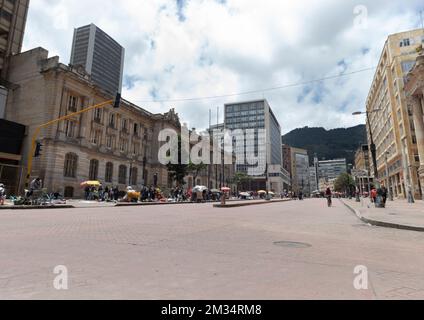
(179, 49)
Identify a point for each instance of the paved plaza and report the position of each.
(292, 250)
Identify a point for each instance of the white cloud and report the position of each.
(236, 46)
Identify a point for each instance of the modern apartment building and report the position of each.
(331, 169)
(100, 55)
(13, 16)
(391, 117)
(257, 115)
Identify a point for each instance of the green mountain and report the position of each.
(328, 144)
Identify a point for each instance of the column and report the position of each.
(419, 131)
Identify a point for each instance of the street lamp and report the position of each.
(373, 147)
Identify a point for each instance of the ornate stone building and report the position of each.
(116, 146)
(415, 94)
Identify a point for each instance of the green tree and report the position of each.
(241, 179)
(178, 172)
(196, 169)
(344, 183)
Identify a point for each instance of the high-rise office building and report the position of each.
(257, 115)
(391, 117)
(13, 16)
(300, 173)
(331, 169)
(100, 55)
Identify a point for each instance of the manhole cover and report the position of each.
(291, 244)
(392, 214)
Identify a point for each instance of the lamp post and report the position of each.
(373, 147)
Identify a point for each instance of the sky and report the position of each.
(197, 55)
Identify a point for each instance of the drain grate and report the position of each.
(291, 244)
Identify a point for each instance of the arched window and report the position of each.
(109, 172)
(134, 176)
(94, 170)
(122, 179)
(71, 164)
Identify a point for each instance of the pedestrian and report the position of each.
(101, 194)
(86, 193)
(373, 195)
(2, 194)
(384, 194)
(116, 194)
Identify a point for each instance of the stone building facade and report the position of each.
(118, 147)
(415, 95)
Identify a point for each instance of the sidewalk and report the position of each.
(398, 214)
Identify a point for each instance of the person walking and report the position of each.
(329, 196)
(374, 195)
(2, 194)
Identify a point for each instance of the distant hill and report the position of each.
(328, 144)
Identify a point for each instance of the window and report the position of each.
(134, 176)
(122, 174)
(98, 115)
(123, 145)
(96, 136)
(112, 121)
(109, 172)
(136, 149)
(136, 129)
(110, 142)
(407, 66)
(72, 104)
(70, 167)
(124, 125)
(94, 170)
(405, 43)
(6, 15)
(70, 128)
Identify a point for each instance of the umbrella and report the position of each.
(90, 184)
(199, 188)
(271, 193)
(261, 191)
(245, 194)
(225, 189)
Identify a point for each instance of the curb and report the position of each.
(238, 205)
(376, 223)
(37, 207)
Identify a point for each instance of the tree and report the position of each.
(178, 172)
(196, 169)
(344, 183)
(241, 179)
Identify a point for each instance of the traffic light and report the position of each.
(38, 149)
(117, 101)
